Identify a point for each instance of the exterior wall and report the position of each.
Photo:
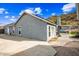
(6, 30)
(9, 30)
(32, 27)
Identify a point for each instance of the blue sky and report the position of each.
(9, 12)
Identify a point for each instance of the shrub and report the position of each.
(74, 33)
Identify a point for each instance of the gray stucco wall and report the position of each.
(5, 30)
(32, 28)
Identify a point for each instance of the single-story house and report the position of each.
(9, 29)
(34, 27)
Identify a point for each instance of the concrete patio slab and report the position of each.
(13, 45)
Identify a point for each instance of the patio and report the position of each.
(13, 45)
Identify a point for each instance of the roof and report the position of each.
(25, 13)
(11, 24)
(1, 24)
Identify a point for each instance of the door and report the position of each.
(51, 32)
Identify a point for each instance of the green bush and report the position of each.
(74, 33)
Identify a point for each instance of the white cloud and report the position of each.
(6, 12)
(53, 14)
(29, 11)
(6, 16)
(68, 7)
(13, 20)
(21, 12)
(38, 10)
(2, 10)
(13, 16)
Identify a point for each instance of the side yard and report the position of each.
(13, 45)
(66, 46)
(19, 46)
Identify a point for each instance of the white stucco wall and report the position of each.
(32, 28)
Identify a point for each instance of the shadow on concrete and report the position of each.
(38, 50)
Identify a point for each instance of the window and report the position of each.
(19, 30)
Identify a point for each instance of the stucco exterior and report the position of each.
(32, 27)
(9, 29)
